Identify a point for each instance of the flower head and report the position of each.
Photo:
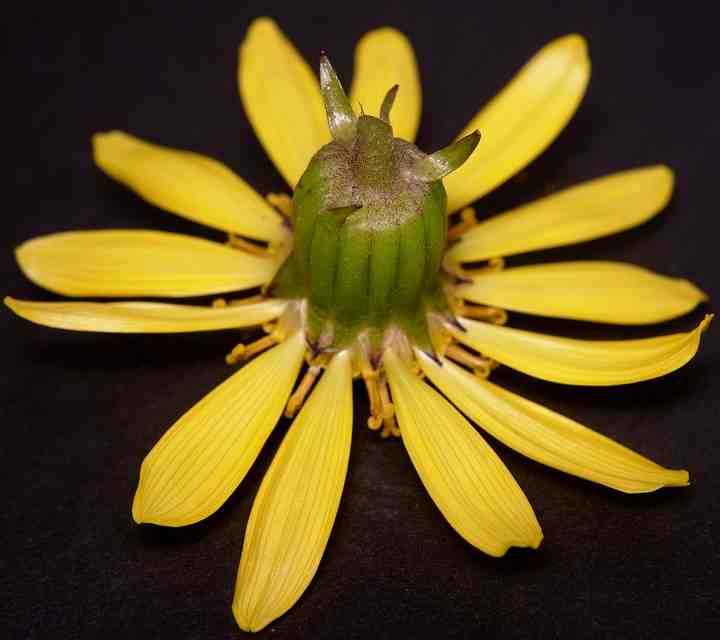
(360, 276)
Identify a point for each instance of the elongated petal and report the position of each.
(598, 291)
(295, 508)
(523, 119)
(281, 96)
(143, 317)
(205, 455)
(383, 58)
(589, 210)
(582, 362)
(470, 485)
(548, 437)
(188, 184)
(124, 262)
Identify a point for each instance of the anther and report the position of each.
(298, 398)
(493, 265)
(467, 221)
(482, 312)
(389, 426)
(245, 352)
(370, 377)
(479, 365)
(238, 242)
(222, 303)
(372, 384)
(282, 202)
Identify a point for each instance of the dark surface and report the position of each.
(79, 411)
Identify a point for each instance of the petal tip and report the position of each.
(572, 45)
(575, 41)
(683, 478)
(245, 621)
(137, 511)
(385, 30)
(703, 326)
(262, 22)
(666, 182)
(24, 257)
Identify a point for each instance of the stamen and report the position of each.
(494, 264)
(221, 303)
(482, 312)
(467, 221)
(238, 242)
(389, 426)
(480, 366)
(298, 398)
(282, 202)
(245, 352)
(372, 384)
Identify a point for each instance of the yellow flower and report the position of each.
(205, 455)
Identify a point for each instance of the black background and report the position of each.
(79, 411)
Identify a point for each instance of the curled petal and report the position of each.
(188, 184)
(281, 96)
(384, 58)
(589, 210)
(205, 455)
(523, 119)
(467, 481)
(548, 437)
(582, 362)
(144, 317)
(598, 291)
(124, 262)
(295, 508)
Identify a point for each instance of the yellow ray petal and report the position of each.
(470, 485)
(295, 508)
(589, 210)
(204, 456)
(523, 119)
(582, 362)
(383, 58)
(281, 96)
(188, 184)
(598, 291)
(546, 436)
(125, 262)
(144, 317)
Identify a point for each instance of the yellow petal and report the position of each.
(589, 210)
(144, 317)
(296, 505)
(204, 456)
(124, 262)
(582, 362)
(470, 485)
(523, 119)
(548, 437)
(610, 292)
(281, 96)
(383, 58)
(188, 184)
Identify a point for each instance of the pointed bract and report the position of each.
(388, 103)
(443, 162)
(340, 116)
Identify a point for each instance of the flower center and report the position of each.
(367, 361)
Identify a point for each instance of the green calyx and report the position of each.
(370, 229)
